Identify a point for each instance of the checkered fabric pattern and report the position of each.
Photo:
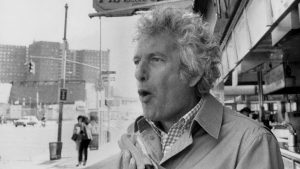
(175, 132)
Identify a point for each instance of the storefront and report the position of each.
(261, 65)
(260, 42)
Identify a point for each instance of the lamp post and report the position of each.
(62, 87)
(100, 86)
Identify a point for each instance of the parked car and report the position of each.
(26, 120)
(20, 122)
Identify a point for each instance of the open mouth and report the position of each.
(143, 93)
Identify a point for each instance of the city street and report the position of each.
(28, 147)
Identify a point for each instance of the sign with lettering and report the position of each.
(108, 72)
(63, 94)
(113, 8)
(106, 5)
(107, 79)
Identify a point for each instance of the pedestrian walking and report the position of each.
(86, 137)
(43, 121)
(76, 132)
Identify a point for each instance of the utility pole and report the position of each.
(260, 93)
(62, 85)
(100, 120)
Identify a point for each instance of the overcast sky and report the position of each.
(25, 21)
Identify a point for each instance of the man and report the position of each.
(183, 126)
(246, 111)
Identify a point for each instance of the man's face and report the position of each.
(164, 95)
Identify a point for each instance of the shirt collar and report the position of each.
(209, 116)
(184, 122)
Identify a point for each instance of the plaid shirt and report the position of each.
(168, 139)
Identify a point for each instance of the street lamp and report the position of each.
(62, 96)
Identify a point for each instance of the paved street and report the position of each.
(28, 147)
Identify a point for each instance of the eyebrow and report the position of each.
(158, 53)
(135, 57)
(150, 55)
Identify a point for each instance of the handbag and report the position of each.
(74, 137)
(83, 134)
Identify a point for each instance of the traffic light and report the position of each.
(31, 67)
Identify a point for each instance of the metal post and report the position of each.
(260, 93)
(100, 76)
(30, 103)
(62, 85)
(108, 124)
(37, 103)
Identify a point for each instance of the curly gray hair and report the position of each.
(199, 52)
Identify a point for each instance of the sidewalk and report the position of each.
(69, 161)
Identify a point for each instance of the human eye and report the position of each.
(157, 58)
(136, 60)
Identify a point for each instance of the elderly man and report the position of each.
(183, 126)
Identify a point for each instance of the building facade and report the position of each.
(45, 56)
(91, 57)
(12, 60)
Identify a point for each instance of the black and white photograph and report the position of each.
(150, 84)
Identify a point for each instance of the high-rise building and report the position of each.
(46, 57)
(72, 69)
(91, 57)
(12, 60)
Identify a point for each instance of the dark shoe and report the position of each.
(77, 165)
(84, 163)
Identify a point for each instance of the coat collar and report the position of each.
(210, 116)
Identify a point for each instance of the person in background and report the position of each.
(1, 119)
(246, 111)
(254, 116)
(266, 118)
(76, 130)
(183, 126)
(43, 120)
(86, 137)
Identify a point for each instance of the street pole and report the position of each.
(100, 87)
(62, 85)
(260, 93)
(37, 103)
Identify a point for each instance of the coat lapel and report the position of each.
(152, 144)
(184, 141)
(209, 118)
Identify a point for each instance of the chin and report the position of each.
(150, 115)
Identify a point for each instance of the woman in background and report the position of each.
(86, 137)
(76, 130)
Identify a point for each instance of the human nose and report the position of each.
(142, 71)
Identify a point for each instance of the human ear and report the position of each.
(194, 80)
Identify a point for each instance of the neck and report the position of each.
(166, 125)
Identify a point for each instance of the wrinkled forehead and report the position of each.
(163, 39)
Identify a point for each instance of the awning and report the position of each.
(128, 11)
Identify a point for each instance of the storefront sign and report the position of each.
(106, 5)
(114, 8)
